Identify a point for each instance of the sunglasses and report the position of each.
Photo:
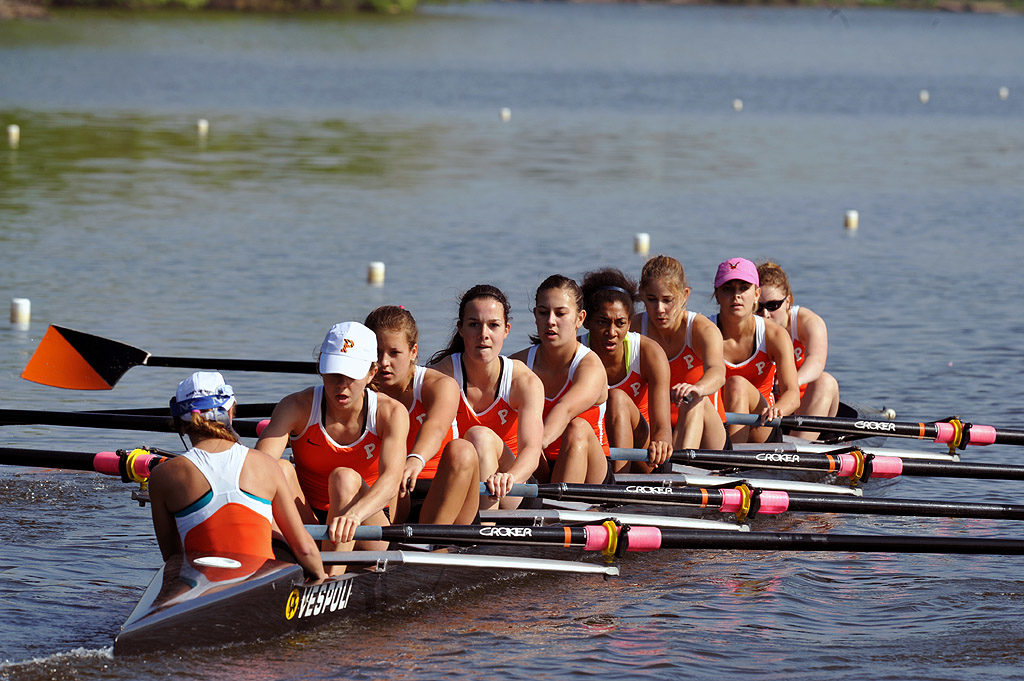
(771, 305)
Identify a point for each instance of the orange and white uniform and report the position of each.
(417, 415)
(315, 454)
(226, 519)
(687, 366)
(759, 368)
(594, 415)
(633, 384)
(799, 349)
(499, 416)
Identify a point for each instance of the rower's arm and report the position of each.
(164, 526)
(527, 398)
(655, 370)
(441, 400)
(290, 414)
(707, 340)
(286, 515)
(393, 430)
(811, 328)
(589, 387)
(780, 349)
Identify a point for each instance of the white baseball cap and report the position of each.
(204, 392)
(349, 349)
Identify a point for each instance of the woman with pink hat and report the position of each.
(348, 442)
(758, 353)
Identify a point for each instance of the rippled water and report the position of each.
(335, 142)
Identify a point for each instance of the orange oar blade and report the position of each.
(71, 359)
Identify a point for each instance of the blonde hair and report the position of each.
(663, 267)
(771, 274)
(198, 428)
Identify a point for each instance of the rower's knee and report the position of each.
(344, 484)
(734, 393)
(460, 455)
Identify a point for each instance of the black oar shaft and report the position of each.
(72, 461)
(92, 419)
(904, 507)
(214, 364)
(477, 534)
(787, 541)
(834, 463)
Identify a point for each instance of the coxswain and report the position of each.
(760, 374)
(433, 452)
(221, 497)
(694, 345)
(502, 407)
(575, 387)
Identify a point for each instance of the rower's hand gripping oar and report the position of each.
(75, 360)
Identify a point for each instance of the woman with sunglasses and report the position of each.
(759, 366)
(819, 391)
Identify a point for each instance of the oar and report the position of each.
(72, 359)
(134, 465)
(97, 419)
(846, 462)
(616, 540)
(953, 432)
(746, 502)
(464, 560)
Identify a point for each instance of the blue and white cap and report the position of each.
(204, 392)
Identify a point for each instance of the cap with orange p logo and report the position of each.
(349, 349)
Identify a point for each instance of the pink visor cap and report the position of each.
(349, 349)
(737, 268)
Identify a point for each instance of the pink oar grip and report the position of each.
(773, 502)
(847, 465)
(886, 467)
(597, 538)
(732, 501)
(983, 435)
(106, 463)
(644, 538)
(261, 426)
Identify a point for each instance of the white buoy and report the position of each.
(375, 273)
(1004, 93)
(506, 114)
(21, 312)
(13, 135)
(852, 220)
(642, 243)
(890, 413)
(924, 96)
(737, 104)
(203, 127)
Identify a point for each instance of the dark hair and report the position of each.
(456, 343)
(559, 281)
(393, 318)
(608, 285)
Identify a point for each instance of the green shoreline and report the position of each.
(41, 9)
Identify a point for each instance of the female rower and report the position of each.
(434, 454)
(694, 344)
(819, 390)
(575, 387)
(636, 368)
(758, 354)
(501, 412)
(348, 442)
(219, 496)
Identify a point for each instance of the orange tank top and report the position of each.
(799, 349)
(315, 454)
(759, 368)
(593, 415)
(417, 415)
(687, 366)
(226, 519)
(499, 416)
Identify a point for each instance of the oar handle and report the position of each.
(267, 365)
